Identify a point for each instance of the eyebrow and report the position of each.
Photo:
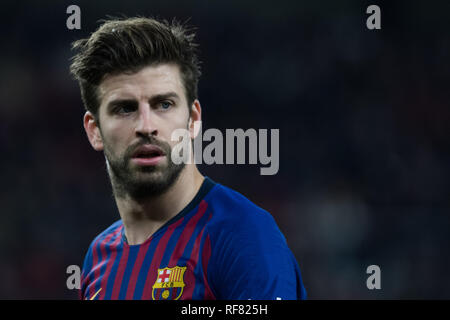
(153, 100)
(120, 102)
(163, 96)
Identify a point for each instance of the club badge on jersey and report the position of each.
(169, 284)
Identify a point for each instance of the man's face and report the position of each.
(137, 115)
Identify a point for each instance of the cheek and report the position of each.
(180, 120)
(115, 138)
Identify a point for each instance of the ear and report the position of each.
(195, 119)
(93, 131)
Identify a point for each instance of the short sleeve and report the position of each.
(250, 259)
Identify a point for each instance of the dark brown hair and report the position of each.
(128, 45)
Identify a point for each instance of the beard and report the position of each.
(141, 182)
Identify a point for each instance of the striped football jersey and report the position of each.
(220, 246)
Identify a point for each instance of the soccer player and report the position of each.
(180, 235)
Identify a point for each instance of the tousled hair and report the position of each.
(130, 44)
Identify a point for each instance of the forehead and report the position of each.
(148, 81)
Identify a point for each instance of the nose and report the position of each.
(146, 121)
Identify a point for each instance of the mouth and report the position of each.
(148, 155)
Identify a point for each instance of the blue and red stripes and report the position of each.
(121, 271)
(96, 263)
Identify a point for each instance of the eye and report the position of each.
(124, 109)
(166, 105)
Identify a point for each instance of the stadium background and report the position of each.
(364, 137)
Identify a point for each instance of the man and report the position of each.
(181, 235)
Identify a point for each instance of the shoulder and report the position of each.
(96, 244)
(234, 214)
(107, 234)
(249, 255)
(230, 205)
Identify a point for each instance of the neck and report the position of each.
(142, 217)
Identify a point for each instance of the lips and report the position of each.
(147, 155)
(148, 151)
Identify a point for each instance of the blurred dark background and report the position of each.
(364, 137)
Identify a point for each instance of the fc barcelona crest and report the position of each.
(169, 284)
